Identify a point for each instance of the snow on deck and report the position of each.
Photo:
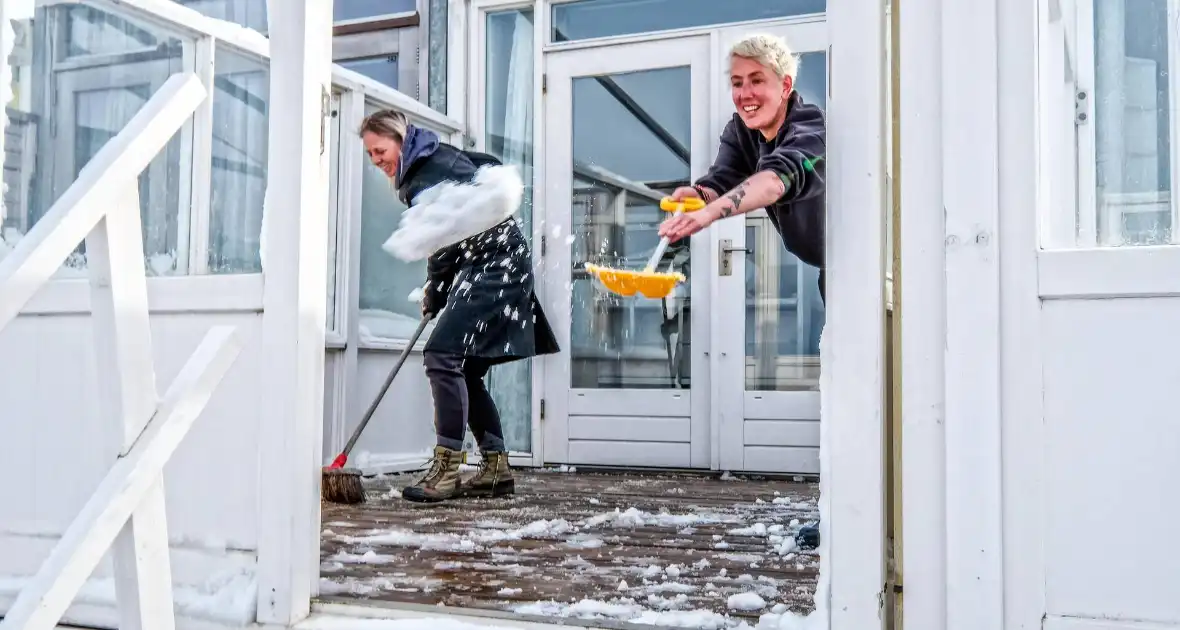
(669, 550)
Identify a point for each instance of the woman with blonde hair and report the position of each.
(484, 281)
(772, 156)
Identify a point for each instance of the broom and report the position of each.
(343, 485)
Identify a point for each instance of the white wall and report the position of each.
(57, 452)
(401, 433)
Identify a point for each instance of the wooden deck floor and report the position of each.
(664, 549)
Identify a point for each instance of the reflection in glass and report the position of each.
(585, 19)
(1132, 123)
(628, 342)
(508, 129)
(381, 69)
(240, 128)
(78, 77)
(360, 9)
(784, 312)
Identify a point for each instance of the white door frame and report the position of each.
(562, 400)
(852, 574)
(732, 404)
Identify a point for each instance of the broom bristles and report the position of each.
(342, 486)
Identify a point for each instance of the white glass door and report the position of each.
(767, 385)
(624, 126)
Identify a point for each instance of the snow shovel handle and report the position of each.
(388, 381)
(662, 247)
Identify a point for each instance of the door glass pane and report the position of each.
(585, 19)
(628, 342)
(784, 312)
(508, 129)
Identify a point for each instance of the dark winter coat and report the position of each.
(485, 281)
(798, 155)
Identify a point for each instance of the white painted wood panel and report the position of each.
(1076, 623)
(798, 460)
(53, 434)
(635, 454)
(781, 433)
(401, 432)
(1111, 444)
(619, 428)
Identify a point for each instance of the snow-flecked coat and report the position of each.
(486, 281)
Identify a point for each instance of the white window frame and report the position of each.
(1074, 219)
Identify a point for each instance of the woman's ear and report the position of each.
(788, 85)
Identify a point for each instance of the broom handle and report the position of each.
(663, 246)
(388, 381)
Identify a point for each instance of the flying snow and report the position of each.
(451, 212)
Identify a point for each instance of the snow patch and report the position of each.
(229, 597)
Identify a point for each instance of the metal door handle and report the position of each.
(724, 259)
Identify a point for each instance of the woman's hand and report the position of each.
(686, 224)
(685, 192)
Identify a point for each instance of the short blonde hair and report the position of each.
(770, 51)
(387, 122)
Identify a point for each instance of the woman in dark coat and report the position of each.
(484, 281)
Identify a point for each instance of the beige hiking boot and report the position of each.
(494, 478)
(441, 481)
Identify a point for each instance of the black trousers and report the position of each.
(461, 399)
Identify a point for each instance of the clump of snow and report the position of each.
(627, 610)
(451, 212)
(417, 294)
(508, 592)
(746, 602)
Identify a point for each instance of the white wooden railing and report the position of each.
(126, 513)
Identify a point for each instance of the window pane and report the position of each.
(240, 128)
(247, 13)
(1134, 201)
(784, 311)
(386, 282)
(508, 134)
(586, 19)
(381, 69)
(57, 127)
(359, 9)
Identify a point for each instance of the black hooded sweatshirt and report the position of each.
(797, 156)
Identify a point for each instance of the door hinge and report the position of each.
(1081, 103)
(542, 408)
(545, 83)
(544, 245)
(325, 112)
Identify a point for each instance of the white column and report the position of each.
(922, 313)
(852, 385)
(294, 302)
(970, 191)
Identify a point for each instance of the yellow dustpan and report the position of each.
(648, 282)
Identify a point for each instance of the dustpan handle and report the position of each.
(388, 381)
(662, 247)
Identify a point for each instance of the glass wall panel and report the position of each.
(508, 134)
(586, 19)
(78, 77)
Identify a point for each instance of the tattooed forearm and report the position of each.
(759, 191)
(733, 201)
